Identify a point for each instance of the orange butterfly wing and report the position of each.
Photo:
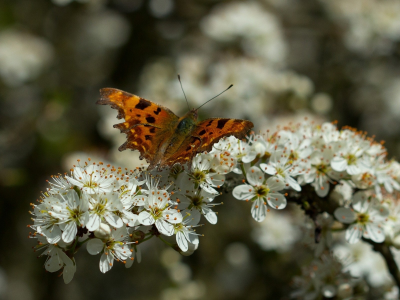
(146, 125)
(206, 134)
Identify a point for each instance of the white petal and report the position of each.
(354, 233)
(194, 239)
(94, 246)
(255, 176)
(339, 164)
(345, 215)
(53, 234)
(84, 203)
(172, 216)
(94, 222)
(131, 219)
(181, 241)
(122, 252)
(113, 219)
(129, 262)
(138, 254)
(165, 227)
(275, 184)
(293, 183)
(276, 200)
(353, 170)
(361, 202)
(243, 192)
(106, 262)
(69, 232)
(375, 232)
(146, 218)
(84, 219)
(69, 272)
(321, 186)
(72, 199)
(269, 169)
(195, 217)
(208, 188)
(258, 210)
(210, 216)
(75, 182)
(54, 263)
(139, 200)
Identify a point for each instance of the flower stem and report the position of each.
(167, 243)
(146, 239)
(243, 170)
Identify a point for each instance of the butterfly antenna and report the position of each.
(215, 97)
(179, 78)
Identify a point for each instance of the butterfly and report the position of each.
(162, 137)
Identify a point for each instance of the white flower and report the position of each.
(158, 211)
(72, 212)
(185, 234)
(366, 218)
(204, 175)
(260, 146)
(318, 172)
(104, 207)
(57, 259)
(60, 185)
(129, 199)
(257, 27)
(362, 261)
(199, 202)
(280, 166)
(296, 146)
(277, 232)
(385, 175)
(321, 279)
(259, 192)
(92, 179)
(349, 154)
(45, 223)
(235, 150)
(113, 248)
(23, 56)
(324, 135)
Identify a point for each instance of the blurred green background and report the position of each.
(287, 59)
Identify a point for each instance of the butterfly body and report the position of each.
(163, 138)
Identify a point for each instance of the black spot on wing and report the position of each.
(188, 148)
(142, 104)
(152, 130)
(202, 132)
(150, 119)
(221, 123)
(137, 115)
(157, 111)
(209, 123)
(147, 137)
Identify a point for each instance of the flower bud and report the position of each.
(103, 232)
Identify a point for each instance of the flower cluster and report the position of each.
(113, 210)
(325, 277)
(321, 156)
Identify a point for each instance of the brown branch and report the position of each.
(384, 250)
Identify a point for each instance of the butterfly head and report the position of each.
(193, 114)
